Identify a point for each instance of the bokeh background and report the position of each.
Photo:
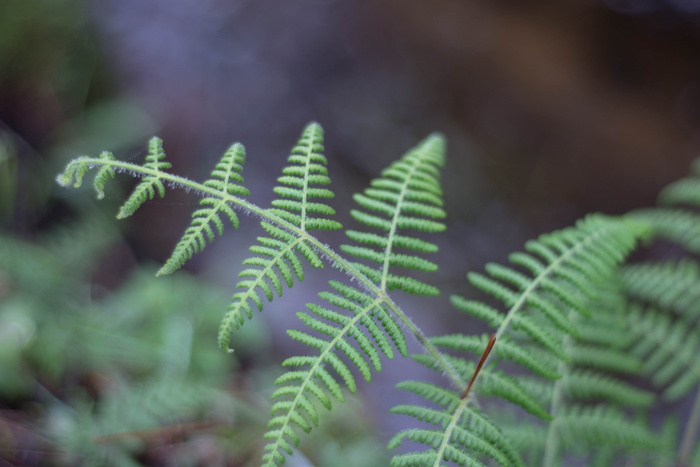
(552, 109)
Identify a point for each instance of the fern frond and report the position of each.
(671, 285)
(454, 437)
(685, 190)
(407, 196)
(593, 385)
(303, 182)
(600, 426)
(675, 225)
(206, 221)
(563, 274)
(151, 184)
(669, 350)
(359, 328)
(277, 258)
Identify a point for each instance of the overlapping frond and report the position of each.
(226, 178)
(354, 328)
(669, 349)
(277, 259)
(671, 285)
(675, 225)
(150, 184)
(551, 290)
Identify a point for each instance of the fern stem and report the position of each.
(690, 433)
(307, 169)
(339, 261)
(394, 226)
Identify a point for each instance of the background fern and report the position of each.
(564, 272)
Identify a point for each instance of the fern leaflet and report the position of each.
(277, 258)
(675, 225)
(406, 197)
(227, 179)
(151, 184)
(671, 285)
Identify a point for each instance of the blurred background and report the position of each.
(552, 109)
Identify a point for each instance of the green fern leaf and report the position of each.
(564, 274)
(671, 285)
(151, 184)
(451, 440)
(589, 385)
(206, 221)
(669, 350)
(406, 198)
(678, 226)
(277, 258)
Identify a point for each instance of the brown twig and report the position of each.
(484, 356)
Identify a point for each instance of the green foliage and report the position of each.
(406, 197)
(225, 178)
(560, 372)
(277, 257)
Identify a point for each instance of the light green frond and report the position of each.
(352, 335)
(684, 191)
(407, 197)
(150, 184)
(552, 289)
(456, 428)
(302, 182)
(277, 259)
(206, 221)
(356, 337)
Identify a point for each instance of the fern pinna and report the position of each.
(226, 178)
(546, 296)
(355, 325)
(277, 257)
